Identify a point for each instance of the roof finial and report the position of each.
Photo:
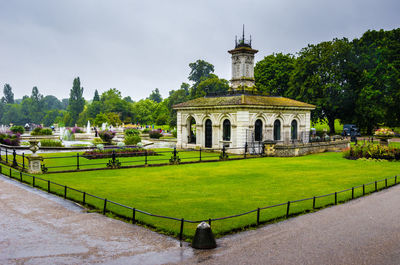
(243, 32)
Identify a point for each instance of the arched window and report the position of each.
(293, 130)
(191, 130)
(226, 130)
(258, 131)
(208, 134)
(277, 130)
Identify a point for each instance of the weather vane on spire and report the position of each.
(242, 42)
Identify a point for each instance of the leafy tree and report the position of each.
(128, 99)
(176, 97)
(272, 74)
(51, 103)
(200, 71)
(96, 96)
(76, 102)
(100, 119)
(113, 118)
(320, 77)
(211, 84)
(112, 102)
(8, 97)
(155, 96)
(51, 116)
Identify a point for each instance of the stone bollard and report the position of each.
(204, 238)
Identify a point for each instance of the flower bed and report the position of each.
(126, 152)
(373, 151)
(10, 138)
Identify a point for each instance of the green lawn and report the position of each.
(68, 161)
(211, 190)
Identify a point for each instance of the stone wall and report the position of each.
(309, 148)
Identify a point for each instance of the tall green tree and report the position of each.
(76, 102)
(8, 97)
(272, 74)
(155, 96)
(321, 76)
(199, 71)
(96, 96)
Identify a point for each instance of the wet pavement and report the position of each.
(37, 228)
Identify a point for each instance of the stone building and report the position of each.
(242, 115)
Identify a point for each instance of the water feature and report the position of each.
(88, 130)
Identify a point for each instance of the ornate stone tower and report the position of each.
(243, 65)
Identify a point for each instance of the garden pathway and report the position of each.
(37, 228)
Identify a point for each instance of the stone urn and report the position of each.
(35, 161)
(34, 147)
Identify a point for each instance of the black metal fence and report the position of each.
(183, 228)
(11, 157)
(114, 160)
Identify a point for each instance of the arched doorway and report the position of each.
(208, 134)
(226, 130)
(277, 130)
(191, 131)
(293, 130)
(258, 131)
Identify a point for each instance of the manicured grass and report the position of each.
(68, 161)
(211, 190)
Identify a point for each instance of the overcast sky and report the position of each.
(136, 46)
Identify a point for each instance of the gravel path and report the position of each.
(37, 228)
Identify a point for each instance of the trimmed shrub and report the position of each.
(107, 136)
(132, 139)
(17, 129)
(155, 134)
(97, 140)
(147, 130)
(51, 143)
(41, 131)
(131, 132)
(10, 138)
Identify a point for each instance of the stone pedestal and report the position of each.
(204, 237)
(35, 164)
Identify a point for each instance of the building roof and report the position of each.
(243, 100)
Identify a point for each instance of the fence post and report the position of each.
(10, 173)
(6, 156)
(20, 176)
(288, 208)
(33, 181)
(363, 189)
(133, 216)
(258, 216)
(376, 186)
(352, 193)
(181, 231)
(145, 157)
(105, 206)
(385, 183)
(113, 157)
(200, 154)
(0, 154)
(48, 186)
(395, 180)
(84, 198)
(23, 160)
(245, 150)
(14, 163)
(313, 203)
(1, 168)
(209, 221)
(335, 198)
(65, 192)
(77, 161)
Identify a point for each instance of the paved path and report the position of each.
(363, 231)
(36, 228)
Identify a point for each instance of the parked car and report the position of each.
(348, 128)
